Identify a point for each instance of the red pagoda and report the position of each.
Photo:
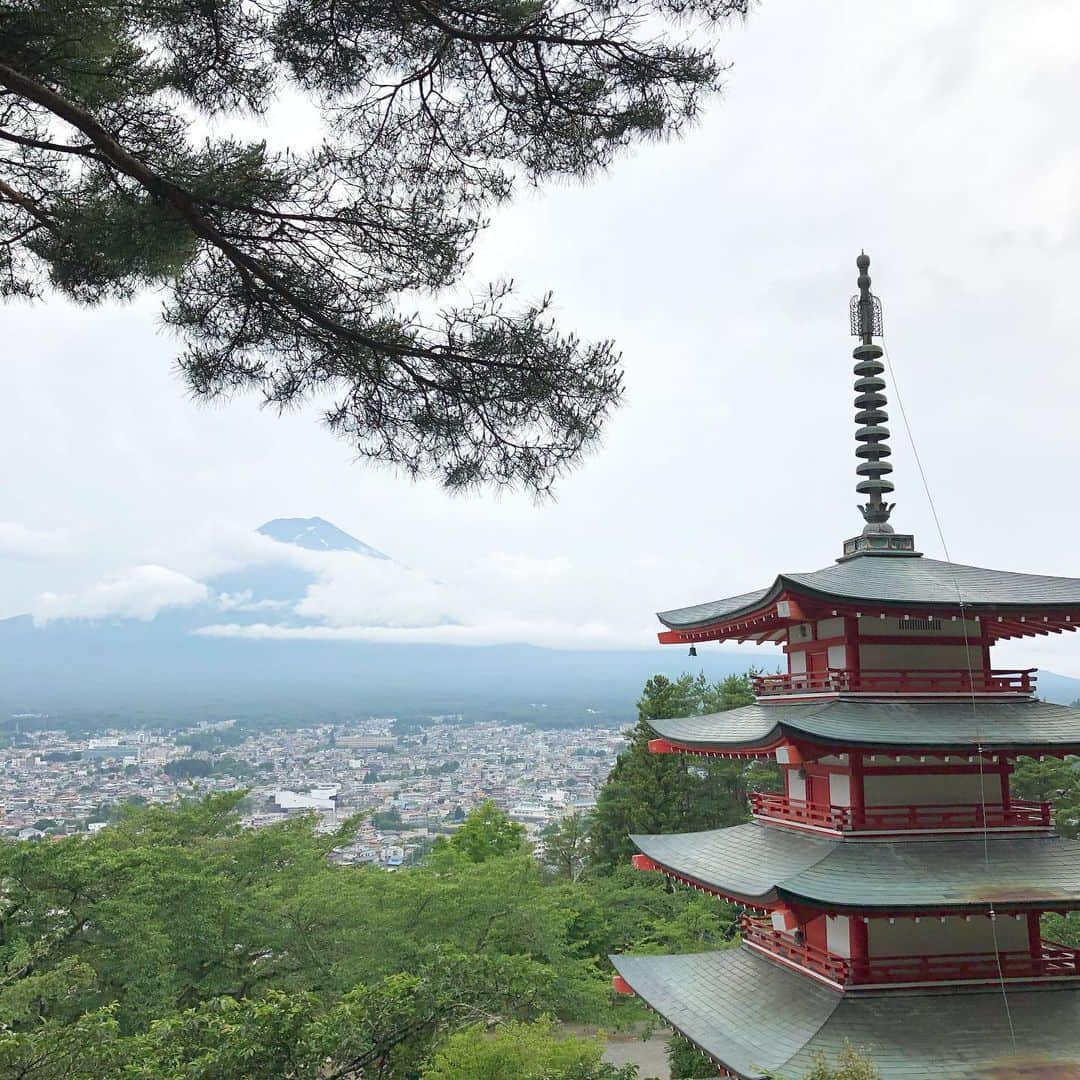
(893, 893)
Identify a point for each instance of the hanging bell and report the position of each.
(693, 650)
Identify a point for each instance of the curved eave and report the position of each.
(716, 612)
(1033, 727)
(748, 1014)
(759, 865)
(757, 1018)
(1010, 599)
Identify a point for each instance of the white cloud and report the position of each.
(139, 593)
(353, 590)
(19, 542)
(489, 631)
(245, 601)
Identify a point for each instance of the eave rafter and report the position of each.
(779, 898)
(769, 622)
(811, 752)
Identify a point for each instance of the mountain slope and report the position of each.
(316, 534)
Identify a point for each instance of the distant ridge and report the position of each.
(316, 534)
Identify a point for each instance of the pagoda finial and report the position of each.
(870, 405)
(870, 416)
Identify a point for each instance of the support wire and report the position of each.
(971, 675)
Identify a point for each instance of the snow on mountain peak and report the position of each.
(316, 534)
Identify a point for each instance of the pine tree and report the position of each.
(127, 167)
(656, 793)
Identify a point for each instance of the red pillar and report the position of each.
(1004, 771)
(1034, 933)
(860, 946)
(858, 795)
(851, 648)
(984, 639)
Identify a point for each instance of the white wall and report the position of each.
(931, 937)
(838, 934)
(828, 628)
(924, 790)
(921, 656)
(796, 785)
(839, 789)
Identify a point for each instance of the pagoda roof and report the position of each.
(907, 580)
(928, 725)
(757, 1017)
(761, 864)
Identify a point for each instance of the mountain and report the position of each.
(162, 667)
(316, 534)
(280, 584)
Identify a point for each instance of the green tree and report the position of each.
(566, 846)
(1056, 781)
(656, 793)
(687, 1061)
(387, 820)
(519, 1051)
(127, 168)
(850, 1065)
(375, 1032)
(187, 768)
(486, 833)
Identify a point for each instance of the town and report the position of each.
(409, 787)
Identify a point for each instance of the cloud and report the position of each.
(19, 542)
(245, 601)
(139, 593)
(352, 590)
(496, 630)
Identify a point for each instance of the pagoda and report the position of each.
(892, 894)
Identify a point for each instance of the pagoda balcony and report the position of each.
(1020, 681)
(1019, 814)
(1052, 961)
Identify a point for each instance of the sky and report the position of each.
(936, 136)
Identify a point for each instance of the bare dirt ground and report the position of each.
(629, 1047)
(648, 1055)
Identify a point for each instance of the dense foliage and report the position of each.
(1054, 780)
(126, 164)
(656, 793)
(524, 1052)
(176, 944)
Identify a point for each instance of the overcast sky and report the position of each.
(940, 137)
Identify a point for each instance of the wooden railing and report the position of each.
(1019, 814)
(1052, 961)
(912, 681)
(784, 945)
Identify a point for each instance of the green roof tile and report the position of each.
(951, 725)
(760, 863)
(754, 1016)
(904, 580)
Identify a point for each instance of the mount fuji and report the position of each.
(260, 639)
(167, 663)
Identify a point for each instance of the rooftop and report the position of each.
(903, 583)
(925, 725)
(756, 1017)
(761, 864)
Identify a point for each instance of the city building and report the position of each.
(893, 892)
